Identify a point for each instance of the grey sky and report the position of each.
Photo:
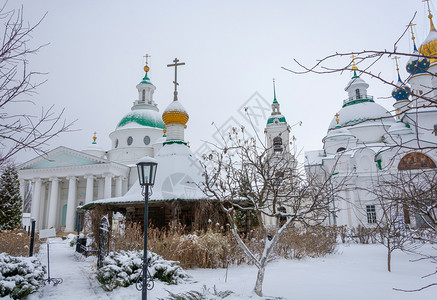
(231, 50)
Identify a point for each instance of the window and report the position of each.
(371, 214)
(146, 140)
(435, 129)
(116, 143)
(277, 144)
(341, 149)
(357, 94)
(144, 95)
(129, 141)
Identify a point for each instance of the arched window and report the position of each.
(416, 160)
(341, 149)
(357, 94)
(277, 144)
(144, 95)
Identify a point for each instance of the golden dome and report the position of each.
(429, 45)
(175, 117)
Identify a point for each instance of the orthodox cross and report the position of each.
(354, 66)
(146, 67)
(429, 15)
(175, 65)
(336, 118)
(411, 28)
(396, 60)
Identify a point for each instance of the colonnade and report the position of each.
(47, 215)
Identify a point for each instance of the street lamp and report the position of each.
(146, 175)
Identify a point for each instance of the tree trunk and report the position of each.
(389, 258)
(259, 281)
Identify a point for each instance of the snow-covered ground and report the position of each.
(354, 272)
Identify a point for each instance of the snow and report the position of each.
(354, 272)
(175, 106)
(177, 176)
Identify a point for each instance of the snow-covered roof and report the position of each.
(177, 176)
(175, 106)
(364, 113)
(141, 117)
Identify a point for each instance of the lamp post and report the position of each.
(146, 176)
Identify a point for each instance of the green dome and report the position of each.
(280, 118)
(142, 117)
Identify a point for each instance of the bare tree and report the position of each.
(22, 131)
(245, 175)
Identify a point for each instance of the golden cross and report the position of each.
(94, 137)
(336, 117)
(412, 33)
(354, 66)
(429, 15)
(396, 60)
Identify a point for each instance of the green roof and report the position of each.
(146, 80)
(144, 119)
(280, 119)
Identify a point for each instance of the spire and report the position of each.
(354, 66)
(397, 67)
(430, 16)
(412, 35)
(274, 92)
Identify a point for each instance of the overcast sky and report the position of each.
(232, 49)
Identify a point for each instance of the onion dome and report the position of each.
(401, 91)
(418, 64)
(429, 45)
(175, 113)
(140, 118)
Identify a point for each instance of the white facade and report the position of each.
(365, 143)
(65, 178)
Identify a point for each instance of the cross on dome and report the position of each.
(146, 67)
(429, 15)
(175, 65)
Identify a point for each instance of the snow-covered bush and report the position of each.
(124, 268)
(20, 276)
(196, 295)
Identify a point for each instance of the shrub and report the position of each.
(17, 242)
(311, 241)
(124, 269)
(20, 276)
(195, 295)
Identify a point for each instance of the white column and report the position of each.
(89, 188)
(53, 202)
(108, 186)
(22, 192)
(119, 186)
(43, 207)
(71, 204)
(100, 188)
(36, 200)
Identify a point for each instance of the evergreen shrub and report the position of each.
(122, 269)
(20, 276)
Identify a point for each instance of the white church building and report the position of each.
(66, 179)
(364, 141)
